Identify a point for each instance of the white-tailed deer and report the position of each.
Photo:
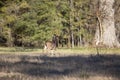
(49, 47)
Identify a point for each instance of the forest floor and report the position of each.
(63, 65)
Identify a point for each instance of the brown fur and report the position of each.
(49, 47)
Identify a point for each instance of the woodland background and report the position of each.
(29, 23)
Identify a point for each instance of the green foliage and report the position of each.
(32, 21)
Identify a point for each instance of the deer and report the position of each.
(49, 47)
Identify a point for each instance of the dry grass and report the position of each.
(65, 64)
(61, 51)
(38, 66)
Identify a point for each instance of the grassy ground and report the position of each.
(66, 64)
(82, 50)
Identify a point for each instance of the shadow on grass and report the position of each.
(80, 66)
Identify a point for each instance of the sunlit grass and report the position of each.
(19, 50)
(91, 50)
(80, 50)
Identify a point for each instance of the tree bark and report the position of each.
(105, 32)
(10, 39)
(71, 22)
(72, 36)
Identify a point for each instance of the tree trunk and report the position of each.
(69, 42)
(10, 39)
(80, 40)
(105, 33)
(71, 22)
(72, 36)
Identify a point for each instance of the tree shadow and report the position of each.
(92, 65)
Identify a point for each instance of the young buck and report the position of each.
(49, 47)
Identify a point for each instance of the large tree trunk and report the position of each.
(105, 33)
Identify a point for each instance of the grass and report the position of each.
(82, 63)
(75, 51)
(38, 67)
